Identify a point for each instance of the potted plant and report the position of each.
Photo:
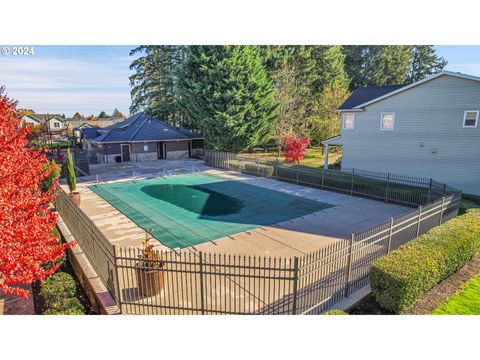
(71, 179)
(150, 270)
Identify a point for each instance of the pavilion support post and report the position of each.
(325, 164)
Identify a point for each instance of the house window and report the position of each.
(57, 125)
(348, 121)
(470, 119)
(387, 121)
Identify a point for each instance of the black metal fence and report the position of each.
(392, 188)
(99, 251)
(81, 162)
(191, 282)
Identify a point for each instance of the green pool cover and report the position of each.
(186, 210)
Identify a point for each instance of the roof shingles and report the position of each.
(141, 127)
(363, 95)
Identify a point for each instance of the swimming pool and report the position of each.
(186, 210)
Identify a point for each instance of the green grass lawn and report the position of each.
(313, 157)
(465, 302)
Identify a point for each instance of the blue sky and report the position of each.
(89, 79)
(67, 79)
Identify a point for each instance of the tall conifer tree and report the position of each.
(425, 62)
(153, 84)
(226, 93)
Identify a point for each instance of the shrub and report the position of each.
(58, 287)
(70, 172)
(400, 278)
(62, 261)
(335, 312)
(69, 306)
(48, 182)
(337, 165)
(469, 202)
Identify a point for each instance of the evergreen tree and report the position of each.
(303, 71)
(153, 84)
(70, 172)
(332, 90)
(301, 74)
(329, 65)
(425, 62)
(225, 92)
(117, 114)
(377, 64)
(356, 58)
(103, 114)
(389, 65)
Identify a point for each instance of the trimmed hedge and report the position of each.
(400, 278)
(58, 287)
(69, 306)
(335, 312)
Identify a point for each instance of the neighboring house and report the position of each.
(54, 122)
(98, 123)
(142, 137)
(429, 128)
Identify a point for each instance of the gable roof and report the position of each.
(102, 123)
(90, 133)
(140, 128)
(46, 117)
(362, 95)
(32, 118)
(358, 106)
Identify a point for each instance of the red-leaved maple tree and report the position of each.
(27, 241)
(295, 148)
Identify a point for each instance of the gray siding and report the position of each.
(138, 148)
(177, 145)
(109, 149)
(428, 139)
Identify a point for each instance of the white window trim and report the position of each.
(343, 121)
(381, 118)
(465, 118)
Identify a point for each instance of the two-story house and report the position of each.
(429, 128)
(55, 122)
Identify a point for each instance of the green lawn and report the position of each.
(313, 157)
(465, 302)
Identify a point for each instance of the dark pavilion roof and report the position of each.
(141, 128)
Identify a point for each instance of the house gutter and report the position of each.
(143, 141)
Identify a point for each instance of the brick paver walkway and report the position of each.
(14, 305)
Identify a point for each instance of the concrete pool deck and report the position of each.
(295, 237)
